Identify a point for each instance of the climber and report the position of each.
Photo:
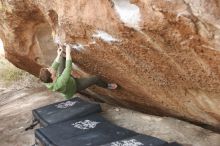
(61, 80)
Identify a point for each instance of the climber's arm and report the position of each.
(56, 62)
(67, 71)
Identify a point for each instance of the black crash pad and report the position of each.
(92, 130)
(65, 110)
(139, 140)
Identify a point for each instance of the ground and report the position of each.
(15, 115)
(18, 98)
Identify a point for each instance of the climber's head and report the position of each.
(45, 75)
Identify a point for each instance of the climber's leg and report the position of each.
(83, 83)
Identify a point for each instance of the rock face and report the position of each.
(164, 54)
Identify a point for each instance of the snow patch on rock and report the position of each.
(129, 13)
(105, 36)
(78, 47)
(57, 40)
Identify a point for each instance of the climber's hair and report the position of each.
(45, 75)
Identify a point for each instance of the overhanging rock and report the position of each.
(164, 54)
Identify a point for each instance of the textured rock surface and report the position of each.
(164, 54)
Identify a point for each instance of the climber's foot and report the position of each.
(112, 86)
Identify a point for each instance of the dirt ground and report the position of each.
(15, 115)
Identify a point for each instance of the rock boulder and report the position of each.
(164, 54)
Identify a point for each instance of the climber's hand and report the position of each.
(59, 50)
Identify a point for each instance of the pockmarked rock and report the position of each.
(164, 54)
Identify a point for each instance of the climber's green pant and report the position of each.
(83, 83)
